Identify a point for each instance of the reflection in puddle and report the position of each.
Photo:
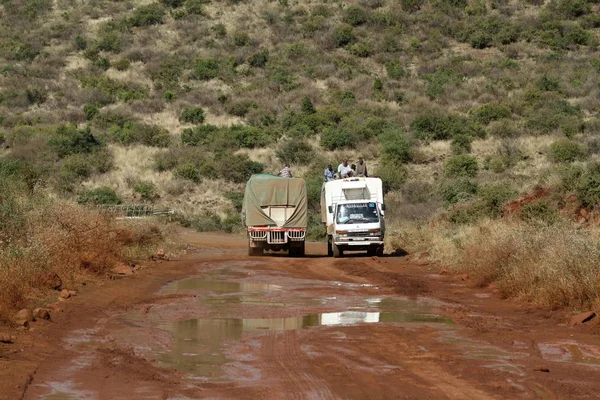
(197, 342)
(571, 351)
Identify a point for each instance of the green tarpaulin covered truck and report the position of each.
(275, 213)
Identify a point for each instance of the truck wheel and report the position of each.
(302, 250)
(371, 251)
(379, 252)
(329, 248)
(337, 252)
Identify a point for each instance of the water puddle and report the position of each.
(571, 352)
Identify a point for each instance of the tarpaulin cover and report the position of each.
(265, 190)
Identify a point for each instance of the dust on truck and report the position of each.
(352, 210)
(275, 213)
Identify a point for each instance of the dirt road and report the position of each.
(218, 324)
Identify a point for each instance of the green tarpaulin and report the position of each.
(264, 190)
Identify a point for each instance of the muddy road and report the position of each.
(217, 324)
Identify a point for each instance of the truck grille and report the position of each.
(258, 236)
(277, 237)
(296, 235)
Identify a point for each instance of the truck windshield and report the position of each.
(357, 213)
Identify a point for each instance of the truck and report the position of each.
(275, 214)
(352, 210)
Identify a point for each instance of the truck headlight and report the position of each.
(341, 233)
(374, 232)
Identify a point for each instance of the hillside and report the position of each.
(461, 106)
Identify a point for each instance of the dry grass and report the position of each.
(554, 266)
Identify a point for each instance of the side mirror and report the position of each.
(383, 207)
(330, 208)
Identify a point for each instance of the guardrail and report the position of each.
(135, 210)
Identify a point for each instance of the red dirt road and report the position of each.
(218, 324)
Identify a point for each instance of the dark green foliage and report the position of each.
(489, 112)
(188, 171)
(334, 138)
(139, 133)
(355, 15)
(147, 190)
(396, 149)
(91, 110)
(588, 185)
(361, 49)
(237, 167)
(343, 35)
(436, 126)
(461, 166)
(454, 191)
(377, 85)
(570, 8)
(241, 108)
(69, 140)
(494, 195)
(169, 72)
(192, 115)
(99, 196)
(259, 59)
(567, 151)
(440, 79)
(80, 42)
(284, 79)
(236, 198)
(196, 7)
(102, 63)
(206, 69)
(36, 95)
(114, 90)
(461, 144)
(151, 14)
(219, 29)
(307, 106)
(122, 64)
(241, 39)
(247, 136)
(395, 70)
(563, 35)
(547, 83)
(198, 135)
(412, 5)
(392, 176)
(295, 152)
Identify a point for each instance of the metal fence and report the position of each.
(135, 210)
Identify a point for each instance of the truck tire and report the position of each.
(255, 251)
(379, 252)
(371, 251)
(329, 247)
(337, 252)
(297, 251)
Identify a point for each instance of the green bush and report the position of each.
(122, 64)
(69, 140)
(440, 79)
(295, 152)
(343, 35)
(241, 39)
(540, 211)
(334, 138)
(147, 190)
(459, 190)
(151, 14)
(188, 171)
(169, 72)
(80, 42)
(237, 167)
(36, 95)
(437, 126)
(395, 70)
(139, 133)
(461, 166)
(396, 149)
(392, 176)
(355, 15)
(206, 69)
(588, 185)
(192, 115)
(494, 195)
(461, 144)
(172, 3)
(259, 59)
(307, 106)
(99, 196)
(241, 108)
(361, 49)
(196, 7)
(412, 5)
(247, 136)
(198, 135)
(487, 113)
(567, 151)
(91, 110)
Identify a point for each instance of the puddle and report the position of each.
(571, 352)
(197, 343)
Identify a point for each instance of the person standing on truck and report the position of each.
(286, 172)
(361, 168)
(344, 170)
(328, 174)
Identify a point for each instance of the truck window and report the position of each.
(359, 213)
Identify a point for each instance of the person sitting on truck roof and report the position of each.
(344, 170)
(328, 174)
(361, 168)
(286, 172)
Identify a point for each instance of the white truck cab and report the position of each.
(352, 210)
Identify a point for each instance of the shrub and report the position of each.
(237, 167)
(392, 176)
(259, 59)
(99, 196)
(192, 115)
(241, 39)
(136, 132)
(567, 151)
(395, 70)
(80, 42)
(198, 135)
(147, 190)
(334, 138)
(36, 95)
(122, 64)
(494, 195)
(412, 5)
(69, 140)
(295, 152)
(539, 211)
(247, 136)
(241, 108)
(169, 72)
(151, 14)
(343, 35)
(307, 106)
(461, 166)
(461, 144)
(361, 49)
(487, 113)
(396, 149)
(172, 3)
(188, 171)
(206, 69)
(504, 128)
(454, 191)
(355, 15)
(440, 79)
(588, 185)
(436, 126)
(91, 110)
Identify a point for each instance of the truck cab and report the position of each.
(353, 212)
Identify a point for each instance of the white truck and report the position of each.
(352, 210)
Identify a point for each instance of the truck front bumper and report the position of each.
(359, 241)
